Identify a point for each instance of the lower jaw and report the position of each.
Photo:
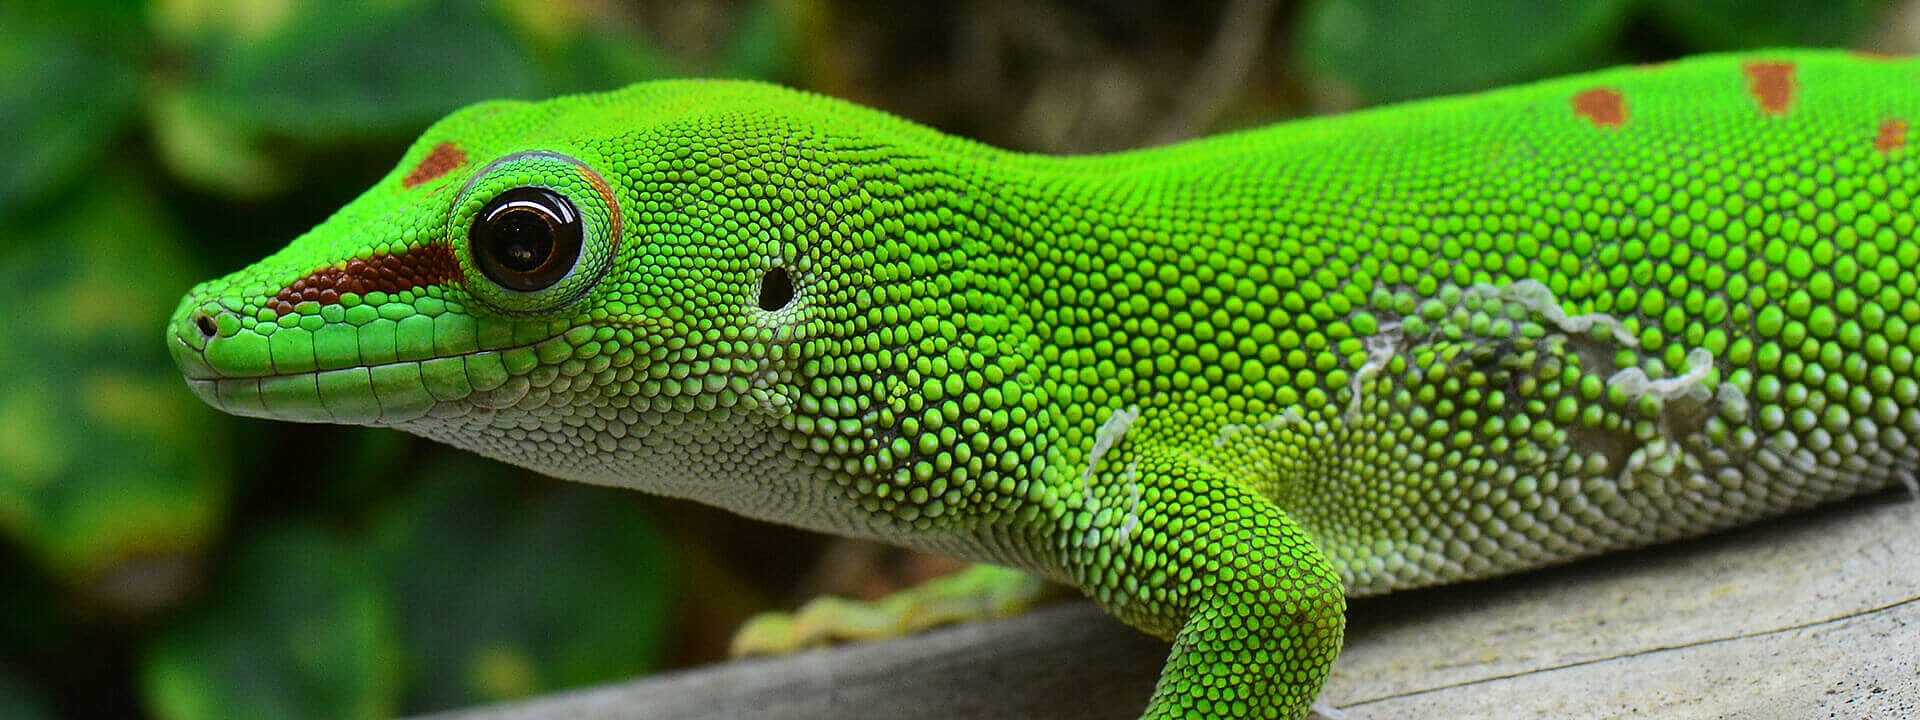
(304, 398)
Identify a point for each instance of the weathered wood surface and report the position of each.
(1816, 616)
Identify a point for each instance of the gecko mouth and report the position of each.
(240, 371)
(392, 393)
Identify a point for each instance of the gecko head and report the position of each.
(616, 279)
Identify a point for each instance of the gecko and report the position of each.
(1219, 386)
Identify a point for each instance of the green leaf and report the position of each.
(258, 74)
(506, 593)
(584, 48)
(1713, 25)
(261, 84)
(766, 40)
(65, 97)
(297, 625)
(112, 475)
(1374, 51)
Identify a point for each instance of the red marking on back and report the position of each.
(1602, 105)
(430, 264)
(1772, 85)
(439, 161)
(1893, 135)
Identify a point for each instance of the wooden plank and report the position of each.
(1812, 616)
(1054, 662)
(1816, 615)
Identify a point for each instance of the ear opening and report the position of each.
(776, 289)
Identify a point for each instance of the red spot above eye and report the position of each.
(1603, 106)
(1893, 135)
(1772, 84)
(439, 161)
(431, 264)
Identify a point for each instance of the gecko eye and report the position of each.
(526, 238)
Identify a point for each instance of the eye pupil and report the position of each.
(523, 239)
(527, 238)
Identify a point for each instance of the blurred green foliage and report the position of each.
(111, 477)
(18, 702)
(296, 625)
(1382, 50)
(1736, 24)
(160, 559)
(215, 567)
(1373, 51)
(489, 583)
(65, 90)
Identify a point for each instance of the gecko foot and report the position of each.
(977, 592)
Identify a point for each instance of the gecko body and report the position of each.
(1218, 385)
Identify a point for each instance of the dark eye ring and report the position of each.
(526, 239)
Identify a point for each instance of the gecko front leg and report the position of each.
(1177, 546)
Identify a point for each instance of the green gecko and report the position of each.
(1218, 386)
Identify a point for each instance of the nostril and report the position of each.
(204, 321)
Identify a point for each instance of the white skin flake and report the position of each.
(1108, 436)
(1691, 384)
(1231, 431)
(1380, 350)
(1133, 504)
(1227, 432)
(1537, 297)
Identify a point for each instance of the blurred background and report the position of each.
(159, 559)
